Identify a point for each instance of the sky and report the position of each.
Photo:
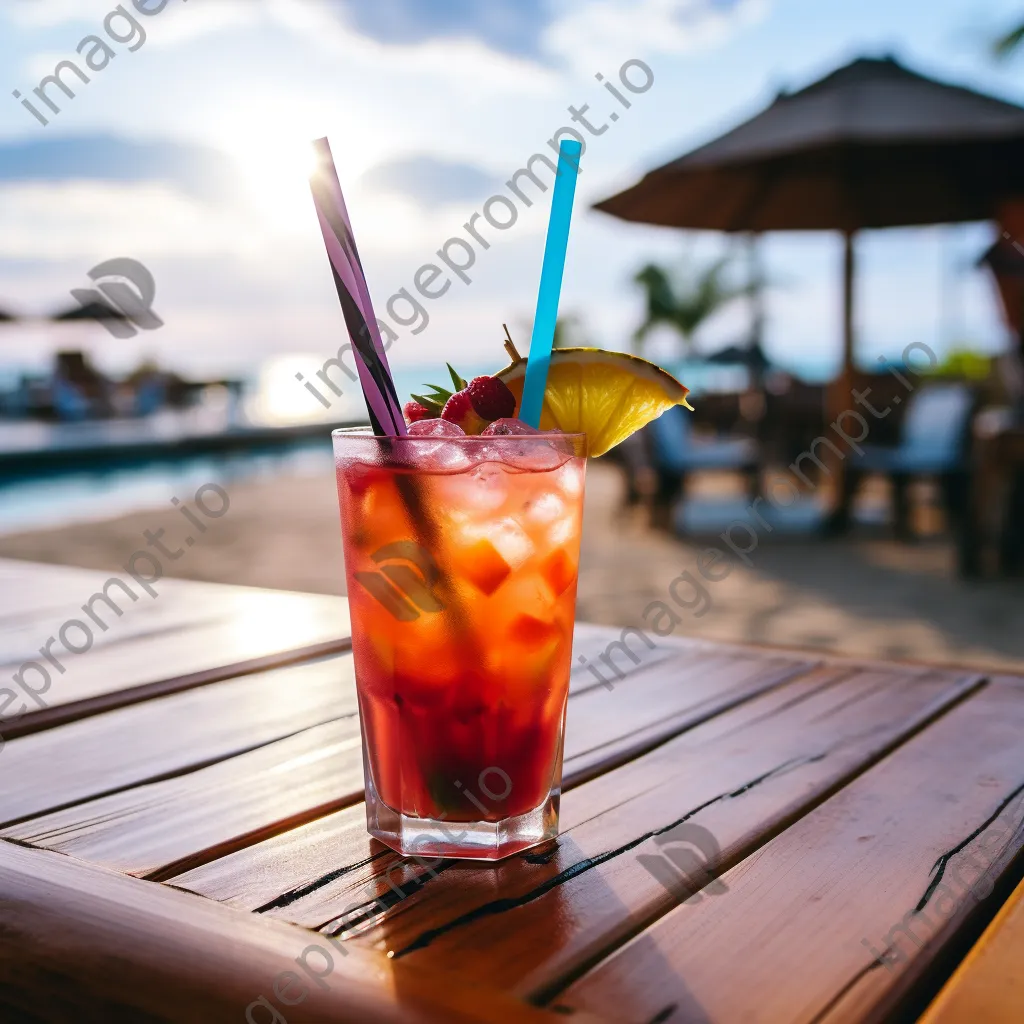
(189, 150)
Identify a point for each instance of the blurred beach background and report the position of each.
(189, 153)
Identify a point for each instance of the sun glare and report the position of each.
(281, 400)
(275, 170)
(270, 137)
(272, 148)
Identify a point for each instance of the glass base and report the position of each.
(469, 840)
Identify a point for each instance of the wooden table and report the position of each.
(183, 836)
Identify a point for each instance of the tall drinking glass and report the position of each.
(461, 557)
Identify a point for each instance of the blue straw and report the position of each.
(550, 283)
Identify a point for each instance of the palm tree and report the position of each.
(1006, 44)
(684, 300)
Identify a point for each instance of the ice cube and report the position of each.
(545, 509)
(509, 539)
(541, 457)
(570, 479)
(563, 531)
(445, 457)
(435, 428)
(488, 486)
(484, 488)
(439, 457)
(508, 425)
(523, 453)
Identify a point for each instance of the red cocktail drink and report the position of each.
(461, 556)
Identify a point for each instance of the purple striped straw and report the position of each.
(374, 374)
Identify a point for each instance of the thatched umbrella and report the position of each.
(871, 145)
(113, 319)
(752, 356)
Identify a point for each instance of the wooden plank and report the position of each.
(591, 642)
(535, 919)
(170, 735)
(277, 873)
(167, 826)
(162, 828)
(30, 592)
(852, 903)
(29, 589)
(19, 571)
(193, 634)
(78, 943)
(1008, 680)
(750, 781)
(181, 732)
(198, 633)
(611, 726)
(306, 875)
(989, 985)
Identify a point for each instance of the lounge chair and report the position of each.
(934, 442)
(676, 454)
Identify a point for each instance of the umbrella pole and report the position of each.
(840, 392)
(756, 287)
(848, 274)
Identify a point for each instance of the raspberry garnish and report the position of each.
(459, 409)
(415, 412)
(491, 398)
(474, 405)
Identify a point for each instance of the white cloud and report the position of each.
(597, 35)
(465, 62)
(40, 64)
(43, 14)
(173, 27)
(47, 13)
(200, 19)
(91, 220)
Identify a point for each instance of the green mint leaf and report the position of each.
(459, 383)
(429, 404)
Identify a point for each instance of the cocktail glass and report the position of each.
(461, 557)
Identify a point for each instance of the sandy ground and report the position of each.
(859, 596)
